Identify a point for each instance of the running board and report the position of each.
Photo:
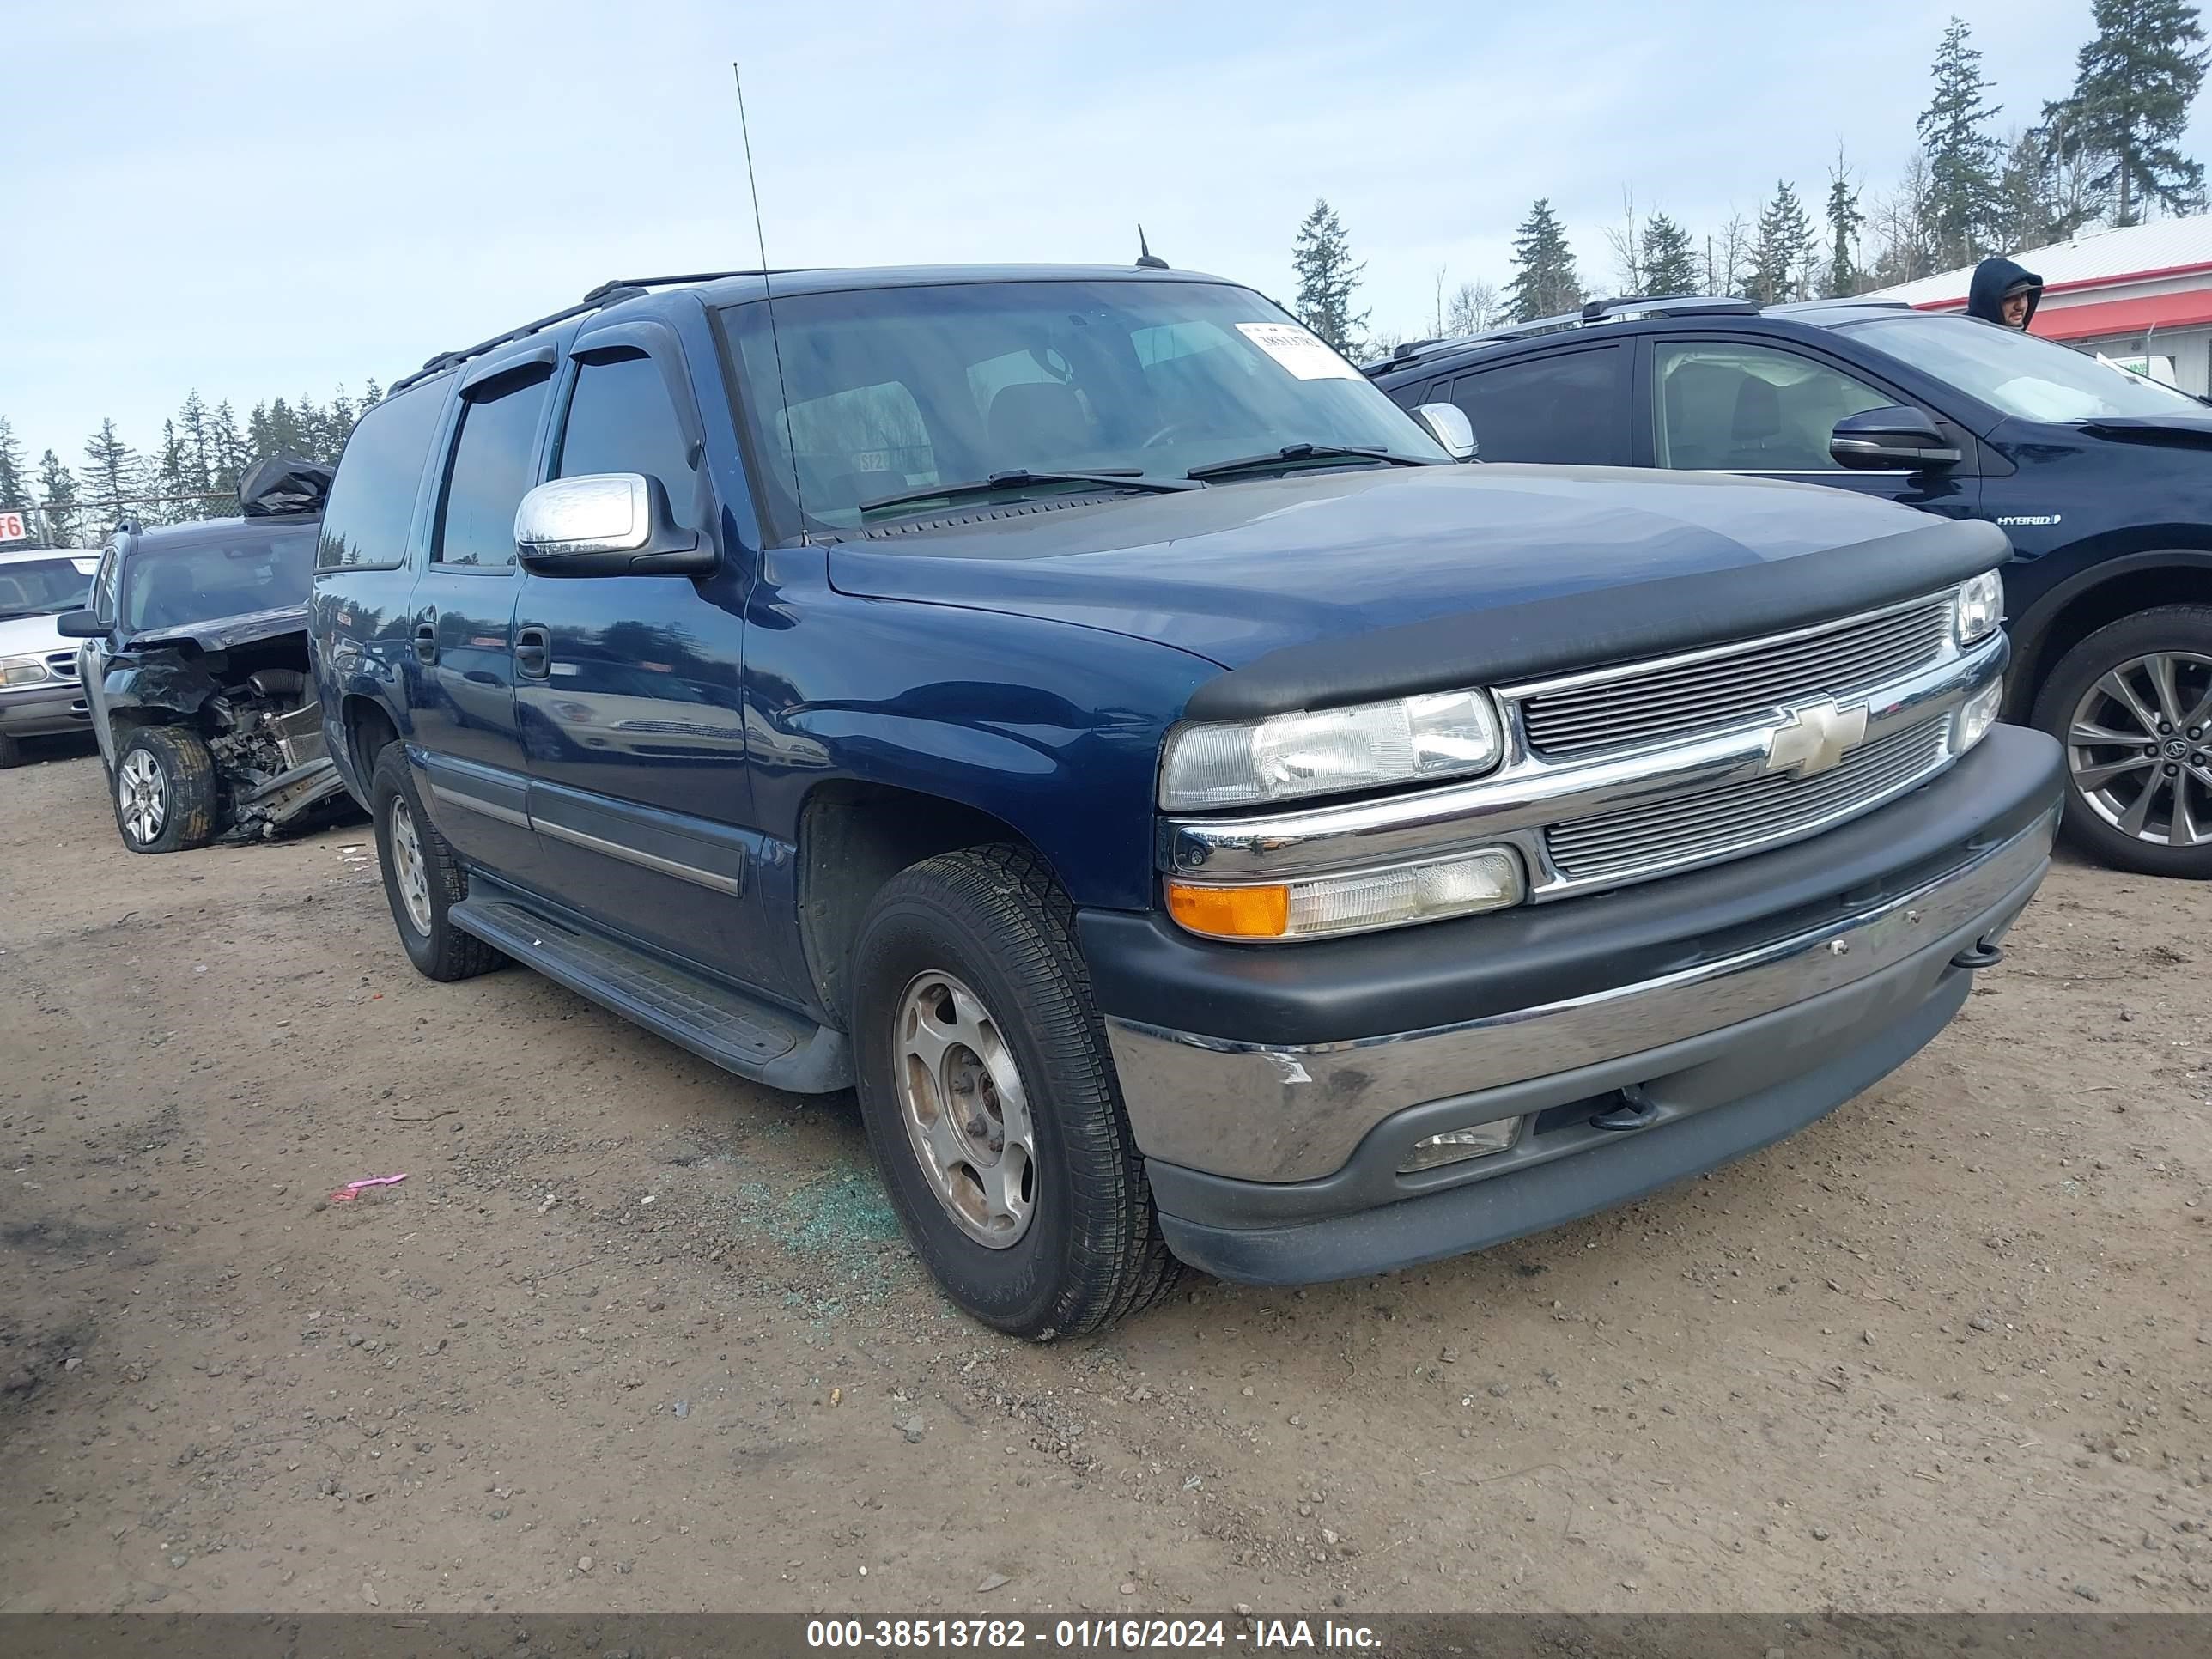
(732, 1030)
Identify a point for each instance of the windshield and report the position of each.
(893, 389)
(42, 587)
(166, 587)
(2035, 380)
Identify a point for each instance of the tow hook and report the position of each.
(1983, 954)
(1636, 1110)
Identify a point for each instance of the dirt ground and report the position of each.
(636, 1336)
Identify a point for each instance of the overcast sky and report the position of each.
(258, 199)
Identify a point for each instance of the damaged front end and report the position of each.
(267, 740)
(248, 693)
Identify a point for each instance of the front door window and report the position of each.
(1724, 407)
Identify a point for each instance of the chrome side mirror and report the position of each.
(605, 523)
(1448, 425)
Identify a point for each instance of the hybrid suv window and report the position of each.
(878, 392)
(2035, 380)
(490, 471)
(1570, 407)
(1723, 406)
(372, 503)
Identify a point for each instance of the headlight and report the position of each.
(1319, 906)
(1978, 607)
(21, 670)
(1411, 739)
(1975, 717)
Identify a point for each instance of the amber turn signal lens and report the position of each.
(1231, 912)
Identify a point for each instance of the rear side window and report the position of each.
(490, 471)
(372, 502)
(621, 420)
(1569, 407)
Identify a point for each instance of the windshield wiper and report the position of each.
(1296, 454)
(1018, 477)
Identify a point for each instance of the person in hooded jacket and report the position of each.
(2003, 294)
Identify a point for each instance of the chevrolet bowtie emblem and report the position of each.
(1815, 737)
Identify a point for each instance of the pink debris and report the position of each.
(353, 1189)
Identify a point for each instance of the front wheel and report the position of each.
(991, 1102)
(165, 791)
(2133, 705)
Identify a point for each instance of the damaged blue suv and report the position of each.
(1076, 709)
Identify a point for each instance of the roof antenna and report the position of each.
(768, 298)
(1146, 259)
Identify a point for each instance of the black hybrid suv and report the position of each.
(2102, 479)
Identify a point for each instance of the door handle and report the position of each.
(426, 637)
(533, 652)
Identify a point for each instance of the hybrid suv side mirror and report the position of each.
(1889, 438)
(606, 524)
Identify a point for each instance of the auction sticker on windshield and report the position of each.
(1304, 354)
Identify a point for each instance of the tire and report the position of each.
(2141, 800)
(163, 788)
(11, 752)
(422, 878)
(981, 942)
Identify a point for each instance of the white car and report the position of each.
(40, 695)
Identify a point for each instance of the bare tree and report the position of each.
(1906, 236)
(1474, 307)
(1437, 323)
(1728, 257)
(1626, 242)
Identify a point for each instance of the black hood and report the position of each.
(1993, 280)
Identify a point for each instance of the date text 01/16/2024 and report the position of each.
(1086, 1634)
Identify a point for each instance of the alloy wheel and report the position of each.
(2139, 745)
(411, 867)
(141, 790)
(966, 1112)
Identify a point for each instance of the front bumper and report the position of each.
(40, 711)
(1734, 1004)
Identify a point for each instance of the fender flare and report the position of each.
(2029, 632)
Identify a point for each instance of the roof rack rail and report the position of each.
(1596, 311)
(612, 292)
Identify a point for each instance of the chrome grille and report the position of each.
(1712, 688)
(62, 664)
(1741, 817)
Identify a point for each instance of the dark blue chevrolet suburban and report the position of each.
(1076, 709)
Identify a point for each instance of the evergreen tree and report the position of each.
(1962, 156)
(1781, 248)
(2031, 205)
(113, 474)
(2133, 87)
(230, 456)
(1844, 221)
(1670, 259)
(58, 490)
(173, 482)
(14, 482)
(1544, 282)
(1327, 276)
(199, 452)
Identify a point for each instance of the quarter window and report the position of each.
(372, 505)
(1719, 407)
(490, 471)
(1564, 406)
